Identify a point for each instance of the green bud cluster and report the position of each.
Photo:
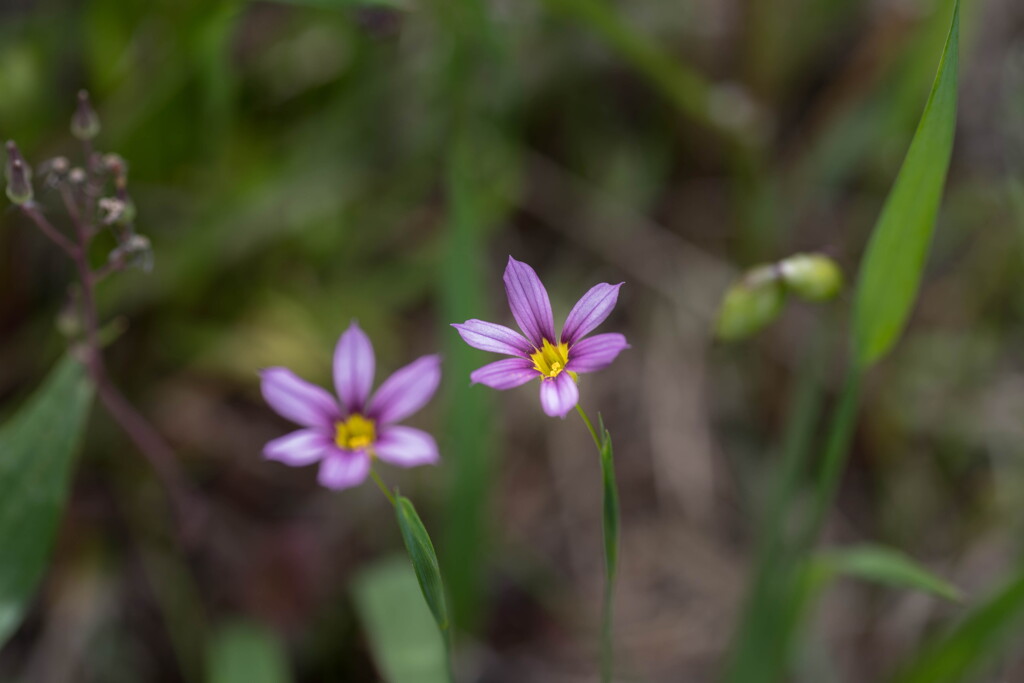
(757, 298)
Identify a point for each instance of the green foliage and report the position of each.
(403, 637)
(37, 448)
(424, 561)
(990, 629)
(895, 259)
(885, 566)
(246, 652)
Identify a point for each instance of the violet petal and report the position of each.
(297, 400)
(559, 395)
(505, 374)
(303, 447)
(344, 469)
(529, 302)
(595, 353)
(494, 338)
(406, 391)
(406, 446)
(354, 365)
(590, 311)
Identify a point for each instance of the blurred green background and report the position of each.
(300, 164)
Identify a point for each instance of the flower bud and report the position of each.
(812, 276)
(750, 304)
(77, 175)
(14, 154)
(85, 124)
(135, 251)
(19, 183)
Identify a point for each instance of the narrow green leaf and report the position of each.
(892, 266)
(992, 628)
(885, 566)
(424, 560)
(246, 652)
(36, 451)
(611, 549)
(403, 637)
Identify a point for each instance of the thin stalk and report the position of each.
(610, 529)
(836, 451)
(31, 209)
(382, 486)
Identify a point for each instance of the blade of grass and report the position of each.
(610, 511)
(893, 264)
(885, 566)
(37, 448)
(427, 570)
(992, 628)
(245, 652)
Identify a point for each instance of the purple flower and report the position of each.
(346, 433)
(555, 360)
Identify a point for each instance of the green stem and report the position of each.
(590, 427)
(383, 487)
(610, 527)
(836, 451)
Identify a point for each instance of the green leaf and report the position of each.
(36, 452)
(885, 566)
(991, 628)
(403, 637)
(891, 270)
(246, 652)
(611, 548)
(424, 560)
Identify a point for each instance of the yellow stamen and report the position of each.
(355, 433)
(550, 360)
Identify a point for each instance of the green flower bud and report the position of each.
(812, 276)
(750, 304)
(19, 183)
(85, 124)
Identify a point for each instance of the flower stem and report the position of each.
(610, 527)
(382, 486)
(590, 426)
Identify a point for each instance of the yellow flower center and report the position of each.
(550, 360)
(355, 433)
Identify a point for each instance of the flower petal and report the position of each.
(353, 368)
(493, 337)
(505, 374)
(529, 302)
(559, 395)
(296, 399)
(590, 311)
(344, 469)
(406, 391)
(406, 447)
(303, 447)
(595, 353)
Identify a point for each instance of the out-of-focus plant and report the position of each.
(887, 285)
(38, 443)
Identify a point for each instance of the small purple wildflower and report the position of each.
(346, 433)
(555, 360)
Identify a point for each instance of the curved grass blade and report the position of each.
(425, 565)
(891, 270)
(992, 628)
(400, 629)
(37, 447)
(885, 566)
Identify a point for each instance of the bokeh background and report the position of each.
(301, 164)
